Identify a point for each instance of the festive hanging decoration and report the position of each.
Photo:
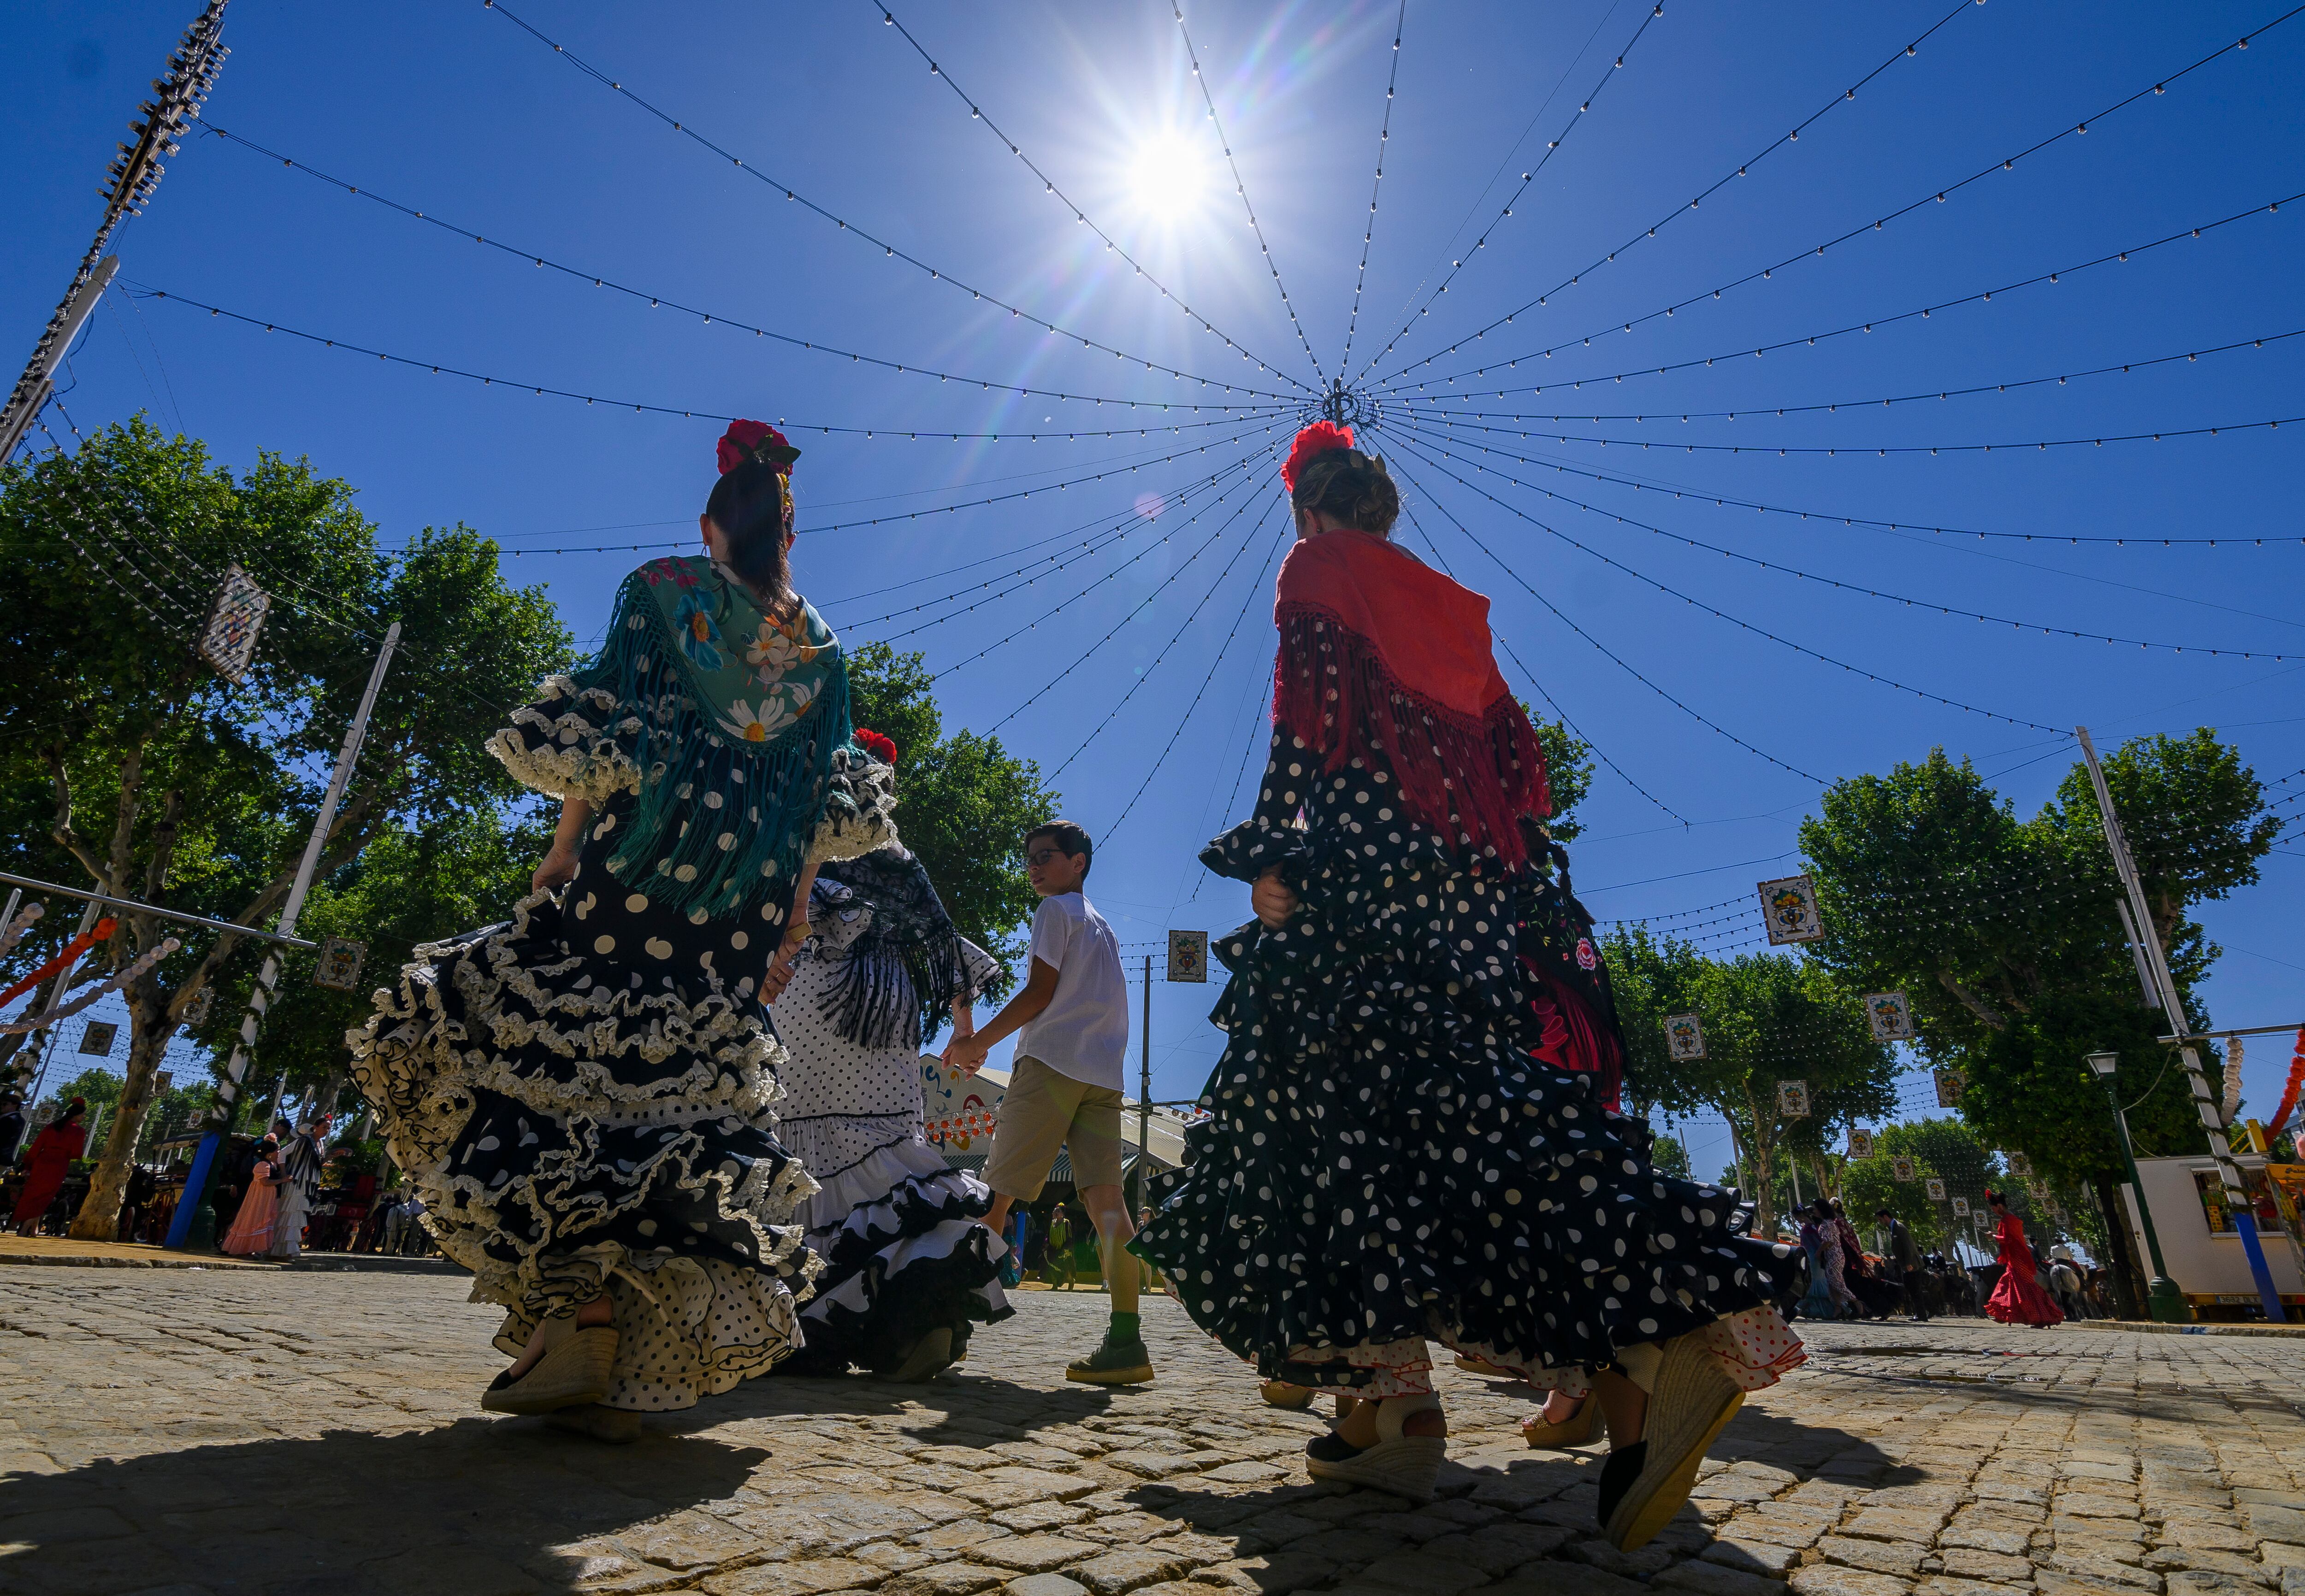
(2019, 1165)
(196, 1012)
(133, 973)
(957, 1110)
(1935, 1189)
(1188, 956)
(99, 932)
(1861, 1142)
(13, 931)
(1789, 908)
(1889, 1015)
(2231, 1106)
(1960, 1207)
(1951, 1084)
(1684, 1038)
(1901, 1170)
(2296, 1083)
(99, 1038)
(339, 965)
(235, 621)
(1792, 1099)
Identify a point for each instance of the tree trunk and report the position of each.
(2129, 1294)
(98, 1219)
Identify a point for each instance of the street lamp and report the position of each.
(2165, 1302)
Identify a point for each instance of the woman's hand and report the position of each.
(780, 968)
(1273, 900)
(964, 1054)
(556, 871)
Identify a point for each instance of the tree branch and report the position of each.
(1972, 1002)
(62, 828)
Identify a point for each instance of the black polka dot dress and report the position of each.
(583, 1096)
(1387, 1160)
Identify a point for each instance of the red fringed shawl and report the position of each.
(1384, 659)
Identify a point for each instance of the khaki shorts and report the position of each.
(1043, 1111)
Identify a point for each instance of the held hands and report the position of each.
(556, 871)
(964, 1054)
(1273, 899)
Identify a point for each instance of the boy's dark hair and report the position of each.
(1066, 835)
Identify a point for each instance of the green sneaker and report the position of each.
(1114, 1364)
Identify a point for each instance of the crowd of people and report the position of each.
(1847, 1282)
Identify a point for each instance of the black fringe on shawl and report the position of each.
(906, 968)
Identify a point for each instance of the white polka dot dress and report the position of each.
(1389, 1160)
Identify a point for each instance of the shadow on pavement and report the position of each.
(977, 1410)
(478, 1508)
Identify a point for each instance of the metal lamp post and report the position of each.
(2165, 1301)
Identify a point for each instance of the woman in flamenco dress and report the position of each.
(47, 1162)
(909, 1271)
(2019, 1298)
(1407, 1140)
(251, 1235)
(582, 1097)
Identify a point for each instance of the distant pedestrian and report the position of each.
(12, 1126)
(47, 1163)
(2018, 1299)
(396, 1220)
(251, 1235)
(300, 1187)
(1905, 1260)
(1060, 1249)
(1071, 1024)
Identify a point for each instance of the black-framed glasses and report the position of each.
(1042, 856)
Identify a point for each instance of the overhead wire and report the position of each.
(1937, 196)
(1048, 184)
(1241, 187)
(889, 251)
(1376, 187)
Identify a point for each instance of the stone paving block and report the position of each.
(1713, 1579)
(944, 1579)
(1633, 1565)
(1897, 1557)
(1566, 1579)
(894, 1556)
(1246, 1472)
(2053, 1582)
(805, 1578)
(2108, 1572)
(2076, 1505)
(1045, 1584)
(1126, 1568)
(1980, 1536)
(1038, 1515)
(2280, 1554)
(1971, 1564)
(1420, 1573)
(2205, 1583)
(599, 1566)
(1753, 1556)
(1826, 1579)
(1275, 1574)
(690, 1540)
(1032, 1554)
(1893, 1523)
(452, 1570)
(1499, 1548)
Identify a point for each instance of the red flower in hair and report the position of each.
(743, 441)
(882, 748)
(1316, 439)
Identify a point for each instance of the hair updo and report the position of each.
(751, 504)
(1351, 487)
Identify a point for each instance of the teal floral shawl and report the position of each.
(731, 720)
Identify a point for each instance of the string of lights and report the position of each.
(1918, 313)
(1070, 599)
(2033, 726)
(1247, 603)
(1241, 188)
(711, 318)
(1376, 187)
(1848, 587)
(911, 434)
(1048, 183)
(1145, 674)
(2060, 379)
(1138, 609)
(889, 251)
(2270, 424)
(1938, 196)
(1605, 651)
(1537, 686)
(1260, 737)
(1456, 267)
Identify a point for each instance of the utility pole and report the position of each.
(194, 1224)
(1144, 1094)
(2163, 992)
(135, 173)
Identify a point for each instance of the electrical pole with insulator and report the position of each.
(135, 173)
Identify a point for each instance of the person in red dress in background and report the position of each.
(2018, 1299)
(48, 1162)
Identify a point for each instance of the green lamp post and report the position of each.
(2165, 1302)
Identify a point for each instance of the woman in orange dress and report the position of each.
(2018, 1299)
(251, 1235)
(47, 1163)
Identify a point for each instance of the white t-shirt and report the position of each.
(1084, 1032)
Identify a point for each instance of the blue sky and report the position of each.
(458, 112)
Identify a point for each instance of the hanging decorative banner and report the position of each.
(1792, 1099)
(1188, 956)
(1889, 1015)
(1789, 905)
(1684, 1039)
(340, 963)
(1901, 1168)
(196, 1012)
(1951, 1084)
(1960, 1207)
(235, 621)
(163, 1081)
(2019, 1165)
(1937, 1191)
(99, 1038)
(1982, 1220)
(1861, 1142)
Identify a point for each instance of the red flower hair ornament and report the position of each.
(1319, 438)
(880, 747)
(756, 440)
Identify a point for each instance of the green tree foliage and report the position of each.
(1766, 1018)
(964, 802)
(167, 784)
(1568, 771)
(1944, 1149)
(2004, 934)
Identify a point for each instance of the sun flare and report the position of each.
(1168, 178)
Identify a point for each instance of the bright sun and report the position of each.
(1168, 178)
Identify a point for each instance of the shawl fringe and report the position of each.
(1472, 779)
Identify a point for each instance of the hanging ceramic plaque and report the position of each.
(340, 963)
(2019, 1165)
(1889, 1015)
(1684, 1038)
(1789, 905)
(99, 1038)
(1188, 956)
(235, 621)
(1960, 1207)
(1937, 1191)
(1950, 1084)
(1792, 1099)
(1901, 1168)
(1861, 1142)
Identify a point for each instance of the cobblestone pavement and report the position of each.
(174, 1432)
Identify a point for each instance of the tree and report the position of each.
(1766, 1018)
(1567, 775)
(171, 786)
(964, 802)
(2003, 934)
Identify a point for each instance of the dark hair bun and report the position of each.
(1351, 487)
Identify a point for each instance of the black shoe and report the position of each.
(1622, 1467)
(1114, 1364)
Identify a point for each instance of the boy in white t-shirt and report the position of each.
(1071, 1022)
